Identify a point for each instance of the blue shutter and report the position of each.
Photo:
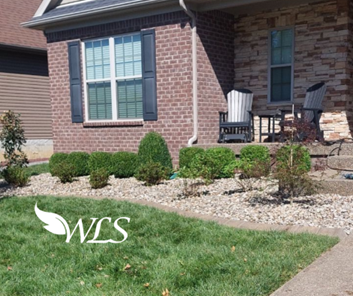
(149, 75)
(75, 81)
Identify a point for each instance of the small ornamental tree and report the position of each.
(12, 139)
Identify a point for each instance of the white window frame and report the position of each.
(270, 67)
(113, 79)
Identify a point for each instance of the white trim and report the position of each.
(113, 79)
(270, 66)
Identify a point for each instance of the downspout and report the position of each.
(194, 71)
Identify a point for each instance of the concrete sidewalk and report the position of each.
(330, 275)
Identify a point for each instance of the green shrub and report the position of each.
(187, 155)
(99, 178)
(293, 165)
(125, 164)
(98, 160)
(230, 170)
(80, 162)
(153, 148)
(215, 163)
(55, 160)
(64, 171)
(16, 176)
(256, 161)
(301, 157)
(152, 173)
(12, 138)
(222, 157)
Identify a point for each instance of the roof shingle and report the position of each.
(12, 14)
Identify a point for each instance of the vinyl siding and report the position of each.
(24, 88)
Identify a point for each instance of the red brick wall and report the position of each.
(215, 70)
(174, 88)
(174, 83)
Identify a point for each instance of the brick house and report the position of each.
(24, 78)
(120, 68)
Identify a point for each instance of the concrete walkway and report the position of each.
(330, 275)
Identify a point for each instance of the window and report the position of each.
(281, 65)
(113, 78)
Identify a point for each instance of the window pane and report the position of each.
(97, 59)
(129, 98)
(287, 37)
(128, 56)
(276, 37)
(99, 101)
(276, 56)
(281, 84)
(286, 74)
(286, 55)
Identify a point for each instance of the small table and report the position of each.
(271, 116)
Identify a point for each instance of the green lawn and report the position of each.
(37, 169)
(185, 256)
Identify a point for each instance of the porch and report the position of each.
(318, 52)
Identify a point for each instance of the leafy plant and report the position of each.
(16, 176)
(99, 178)
(12, 139)
(153, 148)
(298, 154)
(98, 160)
(80, 162)
(215, 163)
(64, 171)
(56, 160)
(187, 155)
(293, 165)
(255, 161)
(124, 164)
(152, 173)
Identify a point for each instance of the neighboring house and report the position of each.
(121, 68)
(24, 81)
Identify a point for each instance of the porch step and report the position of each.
(341, 162)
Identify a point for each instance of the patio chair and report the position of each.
(237, 123)
(310, 112)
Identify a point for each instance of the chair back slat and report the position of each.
(314, 97)
(239, 103)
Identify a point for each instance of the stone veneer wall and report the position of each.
(322, 46)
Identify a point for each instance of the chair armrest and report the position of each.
(312, 109)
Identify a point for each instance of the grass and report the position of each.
(35, 170)
(185, 256)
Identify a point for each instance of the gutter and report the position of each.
(194, 71)
(74, 15)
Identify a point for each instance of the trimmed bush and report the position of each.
(125, 164)
(187, 155)
(153, 148)
(16, 176)
(80, 162)
(215, 163)
(222, 157)
(99, 178)
(152, 173)
(55, 160)
(64, 171)
(99, 160)
(255, 161)
(301, 157)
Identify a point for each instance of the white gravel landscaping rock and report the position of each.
(221, 199)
